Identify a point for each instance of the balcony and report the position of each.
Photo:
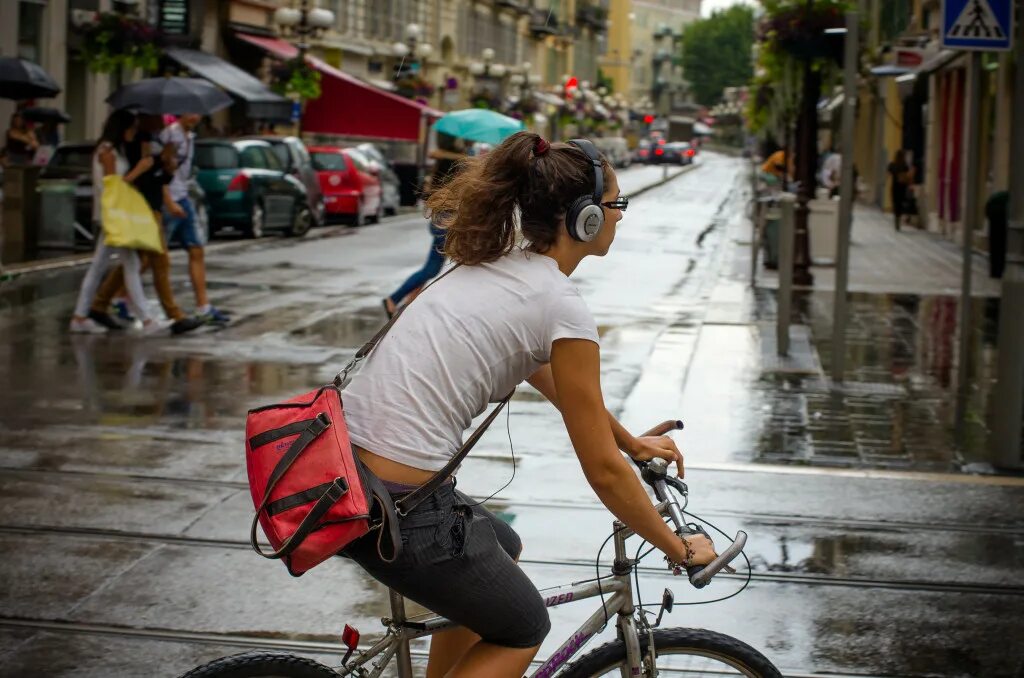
(594, 16)
(543, 23)
(518, 6)
(662, 32)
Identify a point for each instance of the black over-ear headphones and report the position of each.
(584, 216)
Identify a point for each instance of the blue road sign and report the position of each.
(977, 24)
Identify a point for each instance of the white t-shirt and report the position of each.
(464, 342)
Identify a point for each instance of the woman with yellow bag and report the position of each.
(125, 219)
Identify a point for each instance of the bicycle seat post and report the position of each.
(398, 618)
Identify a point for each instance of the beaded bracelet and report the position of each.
(677, 568)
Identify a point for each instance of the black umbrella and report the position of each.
(20, 79)
(42, 114)
(176, 96)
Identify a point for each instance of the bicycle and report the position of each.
(641, 648)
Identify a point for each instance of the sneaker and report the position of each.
(86, 326)
(106, 320)
(212, 315)
(186, 325)
(123, 313)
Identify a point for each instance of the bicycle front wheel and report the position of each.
(680, 652)
(262, 665)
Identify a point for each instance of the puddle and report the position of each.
(342, 329)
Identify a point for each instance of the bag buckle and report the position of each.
(398, 510)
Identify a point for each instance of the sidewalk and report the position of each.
(897, 406)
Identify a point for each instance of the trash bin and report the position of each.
(770, 238)
(56, 226)
(997, 209)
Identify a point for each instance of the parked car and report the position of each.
(247, 187)
(391, 195)
(351, 185)
(615, 149)
(642, 153)
(294, 155)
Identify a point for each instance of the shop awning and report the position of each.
(260, 102)
(349, 106)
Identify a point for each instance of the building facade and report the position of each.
(656, 32)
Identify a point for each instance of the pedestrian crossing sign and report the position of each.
(977, 24)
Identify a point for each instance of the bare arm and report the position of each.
(107, 161)
(642, 449)
(575, 369)
(145, 162)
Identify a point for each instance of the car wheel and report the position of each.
(257, 221)
(378, 215)
(302, 222)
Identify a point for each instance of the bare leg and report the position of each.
(493, 661)
(197, 272)
(447, 647)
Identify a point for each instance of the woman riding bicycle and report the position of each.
(519, 221)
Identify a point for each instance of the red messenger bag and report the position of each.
(313, 496)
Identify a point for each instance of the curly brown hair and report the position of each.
(510, 190)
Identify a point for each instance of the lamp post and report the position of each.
(413, 48)
(303, 24)
(488, 73)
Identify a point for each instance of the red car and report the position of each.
(350, 184)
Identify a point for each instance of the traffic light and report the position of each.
(648, 119)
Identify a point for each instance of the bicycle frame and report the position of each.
(617, 589)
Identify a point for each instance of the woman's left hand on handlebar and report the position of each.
(646, 448)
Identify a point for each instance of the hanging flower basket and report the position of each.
(799, 30)
(412, 87)
(116, 41)
(295, 77)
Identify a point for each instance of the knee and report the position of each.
(196, 254)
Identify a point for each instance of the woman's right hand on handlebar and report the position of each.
(701, 551)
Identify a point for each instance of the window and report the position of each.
(270, 158)
(329, 162)
(216, 156)
(283, 155)
(30, 30)
(252, 156)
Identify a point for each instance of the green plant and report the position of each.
(117, 41)
(295, 77)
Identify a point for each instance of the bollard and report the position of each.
(787, 202)
(664, 172)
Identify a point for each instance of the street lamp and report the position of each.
(412, 47)
(488, 73)
(303, 23)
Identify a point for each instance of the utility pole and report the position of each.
(850, 58)
(1008, 398)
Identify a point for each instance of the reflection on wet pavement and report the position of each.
(897, 407)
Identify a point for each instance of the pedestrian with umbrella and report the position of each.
(20, 140)
(49, 121)
(110, 159)
(21, 79)
(189, 99)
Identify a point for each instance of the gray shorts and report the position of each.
(458, 561)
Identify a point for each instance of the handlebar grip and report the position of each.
(664, 427)
(700, 575)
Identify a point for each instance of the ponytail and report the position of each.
(524, 179)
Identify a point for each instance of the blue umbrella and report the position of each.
(478, 124)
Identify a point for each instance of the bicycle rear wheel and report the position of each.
(680, 652)
(262, 665)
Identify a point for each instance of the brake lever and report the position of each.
(678, 485)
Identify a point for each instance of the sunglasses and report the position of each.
(620, 203)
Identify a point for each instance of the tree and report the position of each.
(716, 52)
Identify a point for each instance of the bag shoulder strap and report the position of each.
(410, 501)
(342, 378)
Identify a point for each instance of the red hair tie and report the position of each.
(541, 147)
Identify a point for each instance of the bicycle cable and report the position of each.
(512, 450)
(597, 570)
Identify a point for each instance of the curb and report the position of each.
(15, 271)
(662, 182)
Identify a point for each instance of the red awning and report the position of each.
(350, 107)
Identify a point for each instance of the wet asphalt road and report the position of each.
(125, 522)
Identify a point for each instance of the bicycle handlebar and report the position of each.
(655, 473)
(664, 427)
